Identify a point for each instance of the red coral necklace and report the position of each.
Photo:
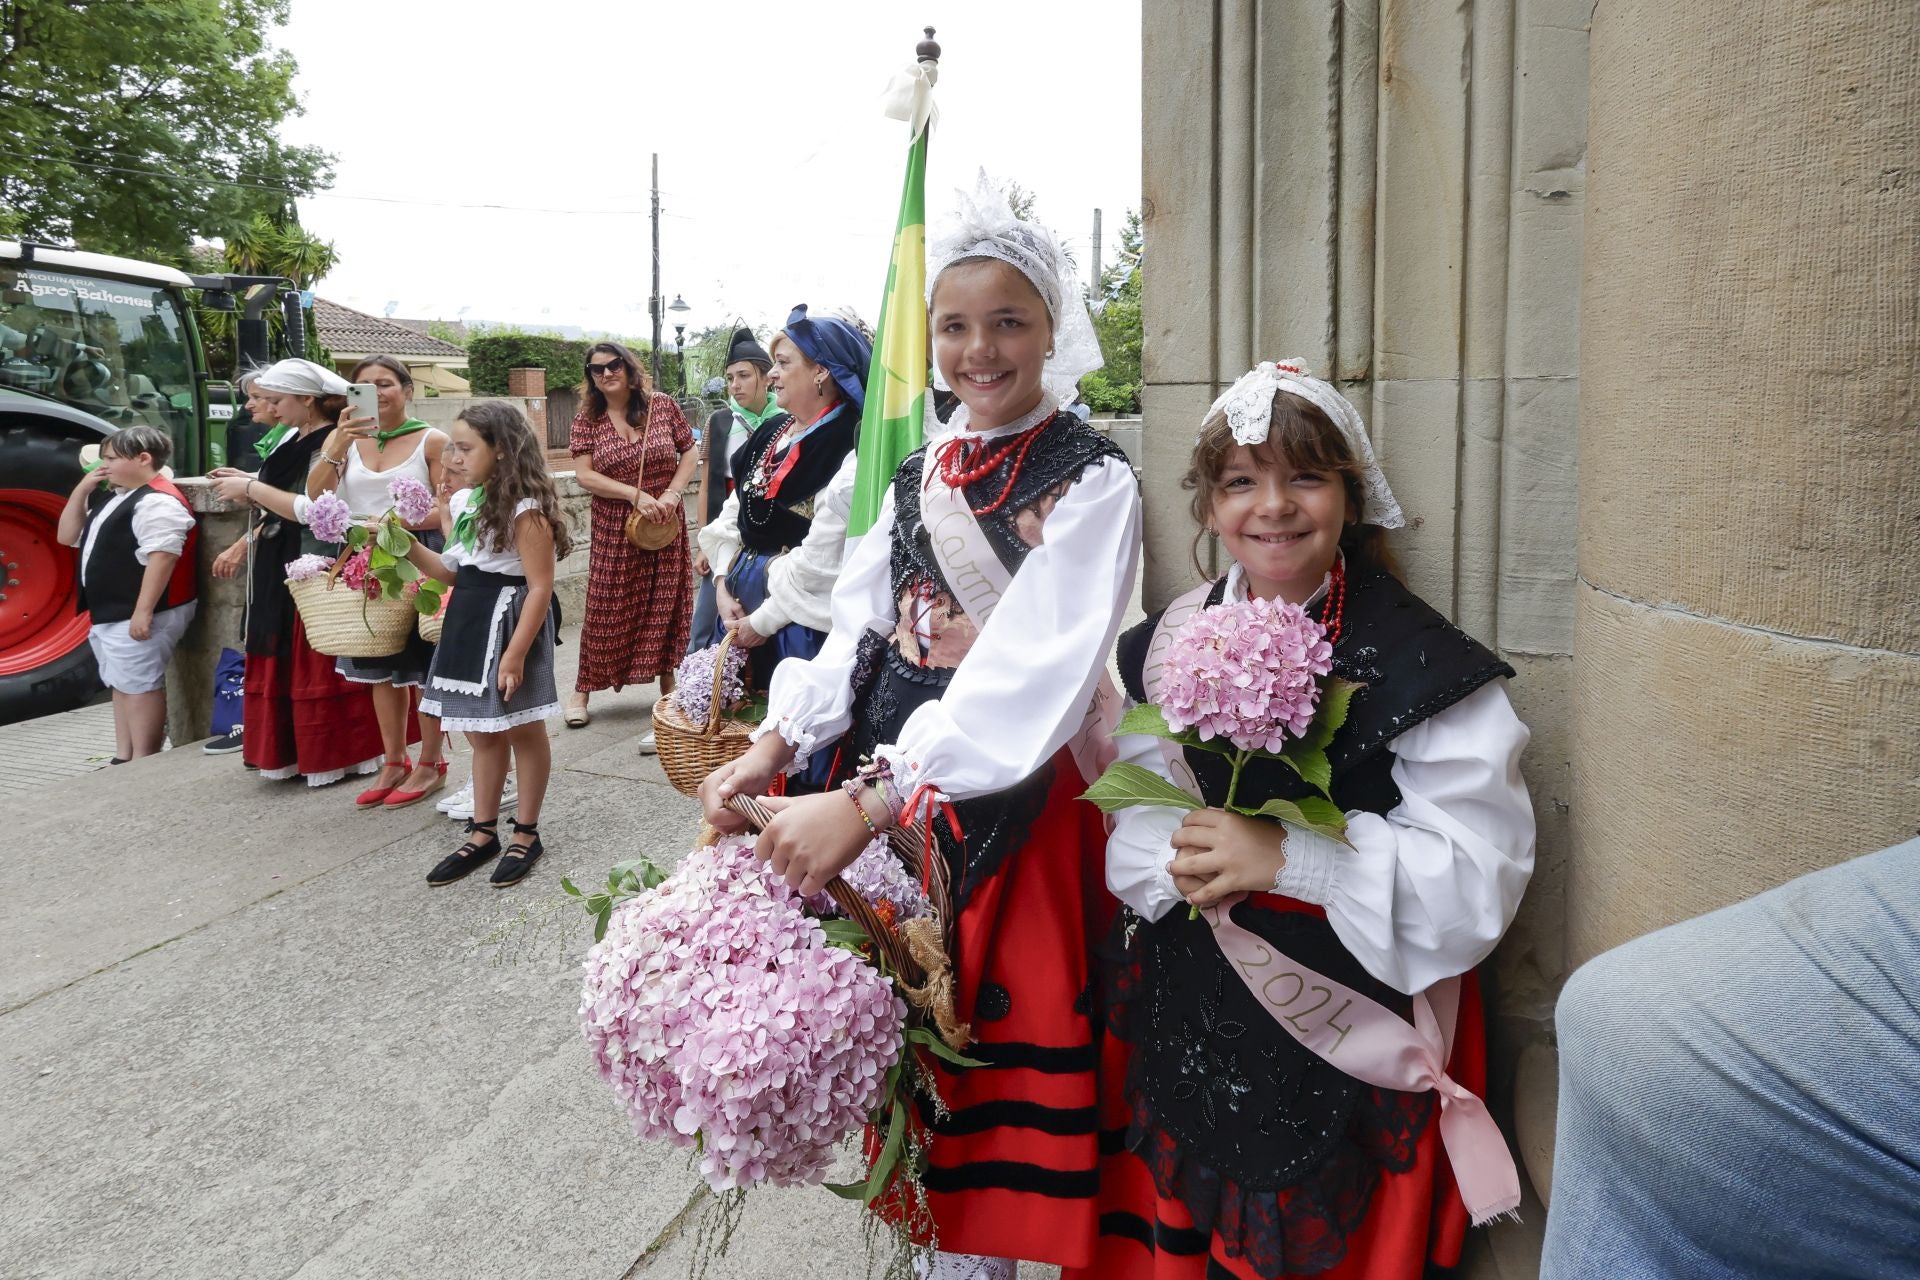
(1333, 609)
(958, 472)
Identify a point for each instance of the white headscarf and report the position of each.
(984, 225)
(301, 378)
(1248, 405)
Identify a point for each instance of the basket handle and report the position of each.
(339, 563)
(719, 679)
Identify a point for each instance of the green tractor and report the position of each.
(90, 344)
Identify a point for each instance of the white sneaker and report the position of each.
(461, 799)
(462, 808)
(647, 747)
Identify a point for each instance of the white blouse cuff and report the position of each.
(799, 739)
(908, 774)
(1308, 874)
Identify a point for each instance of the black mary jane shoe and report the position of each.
(517, 863)
(469, 857)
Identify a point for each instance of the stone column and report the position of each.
(1746, 701)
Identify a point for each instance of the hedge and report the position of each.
(490, 355)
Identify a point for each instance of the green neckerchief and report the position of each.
(463, 532)
(748, 416)
(266, 443)
(406, 428)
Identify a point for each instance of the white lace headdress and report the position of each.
(1248, 405)
(984, 225)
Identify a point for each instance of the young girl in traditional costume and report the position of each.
(492, 672)
(970, 629)
(1248, 1152)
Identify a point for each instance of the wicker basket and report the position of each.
(430, 623)
(689, 751)
(342, 623)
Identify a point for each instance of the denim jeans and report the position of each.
(1740, 1093)
(706, 614)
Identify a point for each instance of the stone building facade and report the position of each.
(1627, 293)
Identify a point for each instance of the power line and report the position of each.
(210, 180)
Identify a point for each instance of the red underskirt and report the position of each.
(300, 713)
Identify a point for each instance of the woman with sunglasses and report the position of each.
(632, 449)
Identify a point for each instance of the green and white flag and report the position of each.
(891, 427)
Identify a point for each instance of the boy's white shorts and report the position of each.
(139, 666)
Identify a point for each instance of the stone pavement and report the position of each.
(240, 1037)
(34, 753)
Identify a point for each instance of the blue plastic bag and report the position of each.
(229, 687)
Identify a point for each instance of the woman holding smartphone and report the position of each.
(301, 718)
(368, 451)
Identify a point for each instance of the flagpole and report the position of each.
(891, 427)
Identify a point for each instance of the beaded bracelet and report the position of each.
(852, 789)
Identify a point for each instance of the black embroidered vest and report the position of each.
(1216, 1072)
(776, 522)
(888, 688)
(112, 576)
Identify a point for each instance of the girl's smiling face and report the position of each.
(1281, 522)
(468, 458)
(990, 334)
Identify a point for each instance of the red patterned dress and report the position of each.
(639, 603)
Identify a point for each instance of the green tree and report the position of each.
(1116, 387)
(134, 128)
(265, 248)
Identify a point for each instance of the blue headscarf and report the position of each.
(835, 346)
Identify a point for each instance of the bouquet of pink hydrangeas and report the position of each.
(308, 567)
(375, 561)
(725, 1017)
(1243, 680)
(733, 1016)
(693, 684)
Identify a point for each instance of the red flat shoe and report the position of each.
(373, 797)
(398, 799)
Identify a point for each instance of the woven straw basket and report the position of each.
(689, 751)
(342, 623)
(430, 623)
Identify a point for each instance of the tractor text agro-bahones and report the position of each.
(90, 344)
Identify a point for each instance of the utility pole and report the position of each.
(1093, 288)
(653, 303)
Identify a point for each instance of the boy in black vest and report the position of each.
(137, 564)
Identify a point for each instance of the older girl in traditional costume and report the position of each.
(970, 630)
(301, 716)
(1265, 1131)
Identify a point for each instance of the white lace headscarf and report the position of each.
(1248, 406)
(984, 225)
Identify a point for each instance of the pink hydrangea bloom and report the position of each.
(308, 567)
(693, 682)
(1246, 672)
(354, 572)
(879, 876)
(715, 1007)
(330, 518)
(411, 499)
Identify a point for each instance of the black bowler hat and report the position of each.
(747, 347)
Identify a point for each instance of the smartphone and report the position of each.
(363, 399)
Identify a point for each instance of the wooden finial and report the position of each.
(927, 50)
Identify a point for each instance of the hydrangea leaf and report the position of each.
(1145, 718)
(1124, 785)
(1310, 763)
(940, 1048)
(394, 540)
(889, 1154)
(426, 605)
(1313, 813)
(1336, 700)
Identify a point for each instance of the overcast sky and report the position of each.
(780, 177)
